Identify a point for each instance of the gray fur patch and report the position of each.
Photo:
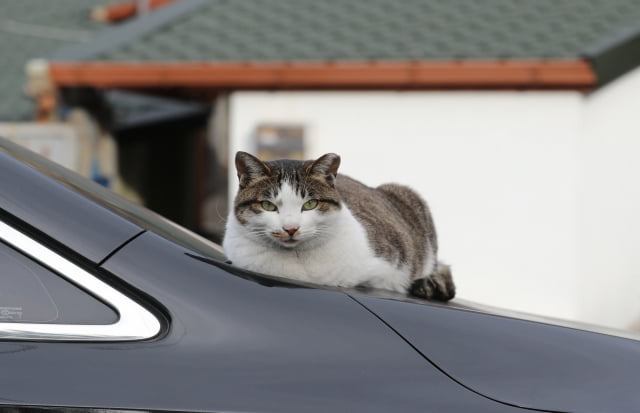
(397, 220)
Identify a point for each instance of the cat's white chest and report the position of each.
(345, 259)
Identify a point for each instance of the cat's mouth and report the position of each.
(285, 238)
(289, 242)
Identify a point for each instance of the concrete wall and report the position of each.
(514, 180)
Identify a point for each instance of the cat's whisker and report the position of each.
(217, 210)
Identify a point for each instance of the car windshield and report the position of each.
(127, 209)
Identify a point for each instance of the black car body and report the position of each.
(154, 319)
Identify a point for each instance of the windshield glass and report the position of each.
(108, 199)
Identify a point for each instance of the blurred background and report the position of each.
(518, 121)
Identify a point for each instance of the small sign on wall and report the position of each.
(277, 141)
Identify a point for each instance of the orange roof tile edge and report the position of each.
(124, 10)
(561, 74)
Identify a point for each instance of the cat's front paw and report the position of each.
(438, 286)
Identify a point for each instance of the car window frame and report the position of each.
(134, 321)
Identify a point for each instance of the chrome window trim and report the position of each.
(134, 321)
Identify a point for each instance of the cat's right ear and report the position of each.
(250, 168)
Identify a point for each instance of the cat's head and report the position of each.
(287, 203)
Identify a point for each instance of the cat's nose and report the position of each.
(290, 230)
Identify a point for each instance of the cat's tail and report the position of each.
(438, 286)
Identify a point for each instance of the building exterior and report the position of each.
(515, 120)
(31, 30)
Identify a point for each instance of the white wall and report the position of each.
(609, 195)
(502, 171)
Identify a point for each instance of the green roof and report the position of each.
(34, 29)
(303, 30)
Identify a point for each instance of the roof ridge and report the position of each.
(126, 32)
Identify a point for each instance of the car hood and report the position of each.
(519, 362)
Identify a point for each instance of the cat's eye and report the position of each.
(268, 206)
(310, 204)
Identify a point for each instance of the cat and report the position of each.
(302, 220)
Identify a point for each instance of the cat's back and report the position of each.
(387, 202)
(397, 220)
(361, 198)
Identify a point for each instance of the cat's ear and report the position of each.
(250, 168)
(325, 166)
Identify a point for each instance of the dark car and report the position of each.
(105, 305)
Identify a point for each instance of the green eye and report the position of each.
(310, 204)
(268, 206)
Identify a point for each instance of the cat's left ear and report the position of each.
(325, 166)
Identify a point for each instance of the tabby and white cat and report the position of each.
(301, 220)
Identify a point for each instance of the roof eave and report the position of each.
(500, 74)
